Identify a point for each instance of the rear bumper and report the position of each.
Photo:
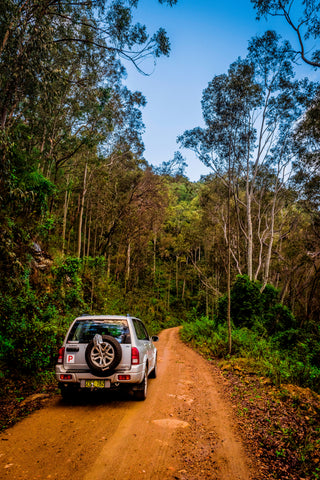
(136, 374)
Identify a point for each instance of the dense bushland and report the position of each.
(265, 336)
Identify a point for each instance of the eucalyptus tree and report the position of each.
(304, 21)
(174, 167)
(249, 114)
(33, 33)
(58, 60)
(307, 166)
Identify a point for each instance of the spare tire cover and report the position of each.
(103, 357)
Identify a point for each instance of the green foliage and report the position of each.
(203, 334)
(264, 333)
(246, 305)
(68, 283)
(306, 29)
(263, 355)
(29, 335)
(36, 314)
(155, 240)
(258, 310)
(46, 226)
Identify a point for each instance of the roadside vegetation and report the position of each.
(266, 337)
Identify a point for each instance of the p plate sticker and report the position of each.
(70, 358)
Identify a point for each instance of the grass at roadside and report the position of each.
(262, 355)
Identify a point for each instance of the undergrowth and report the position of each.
(265, 334)
(261, 355)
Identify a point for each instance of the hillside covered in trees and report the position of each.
(88, 225)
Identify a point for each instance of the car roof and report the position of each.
(103, 317)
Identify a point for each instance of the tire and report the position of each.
(153, 373)
(141, 393)
(68, 392)
(103, 358)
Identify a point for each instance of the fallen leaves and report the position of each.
(282, 425)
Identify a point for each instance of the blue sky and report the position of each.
(206, 37)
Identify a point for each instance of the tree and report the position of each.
(33, 33)
(249, 115)
(59, 63)
(175, 166)
(302, 17)
(307, 164)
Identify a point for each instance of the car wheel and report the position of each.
(103, 357)
(153, 373)
(141, 393)
(68, 391)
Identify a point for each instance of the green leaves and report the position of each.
(258, 310)
(161, 43)
(303, 19)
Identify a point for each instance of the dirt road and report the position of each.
(184, 430)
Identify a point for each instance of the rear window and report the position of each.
(84, 330)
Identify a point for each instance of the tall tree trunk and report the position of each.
(268, 257)
(92, 293)
(127, 277)
(89, 232)
(65, 213)
(95, 240)
(154, 256)
(250, 234)
(207, 302)
(84, 242)
(83, 195)
(109, 265)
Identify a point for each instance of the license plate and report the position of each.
(95, 384)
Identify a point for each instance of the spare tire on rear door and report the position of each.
(103, 354)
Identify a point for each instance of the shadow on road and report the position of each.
(96, 398)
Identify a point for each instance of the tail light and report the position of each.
(135, 360)
(124, 377)
(61, 355)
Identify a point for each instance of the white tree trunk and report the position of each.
(83, 196)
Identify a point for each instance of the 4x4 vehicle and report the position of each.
(107, 351)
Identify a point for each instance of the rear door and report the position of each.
(75, 358)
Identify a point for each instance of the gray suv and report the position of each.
(105, 352)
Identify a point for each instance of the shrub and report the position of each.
(256, 310)
(206, 336)
(264, 332)
(29, 337)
